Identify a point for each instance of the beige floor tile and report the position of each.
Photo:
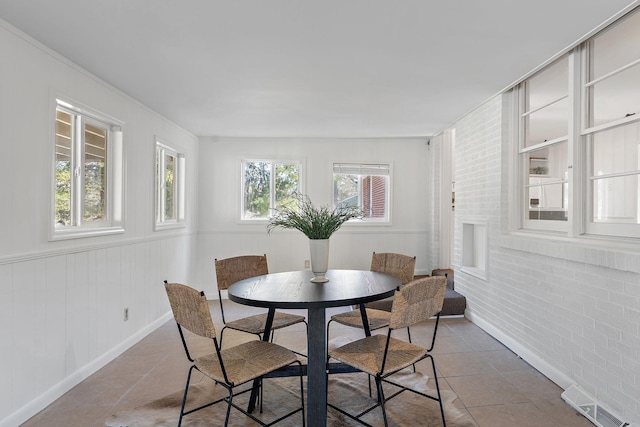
(480, 340)
(533, 385)
(462, 364)
(484, 390)
(505, 361)
(493, 384)
(69, 416)
(563, 414)
(521, 415)
(451, 344)
(96, 392)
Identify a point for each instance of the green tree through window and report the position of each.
(80, 169)
(170, 187)
(88, 174)
(267, 185)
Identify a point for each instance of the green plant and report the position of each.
(314, 222)
(540, 170)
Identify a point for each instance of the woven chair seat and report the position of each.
(367, 353)
(230, 367)
(255, 324)
(382, 356)
(377, 318)
(241, 362)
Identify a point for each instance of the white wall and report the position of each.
(222, 235)
(61, 303)
(569, 307)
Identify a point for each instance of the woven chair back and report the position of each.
(417, 301)
(231, 270)
(398, 265)
(190, 309)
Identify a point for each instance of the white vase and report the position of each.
(319, 259)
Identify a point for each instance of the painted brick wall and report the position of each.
(569, 308)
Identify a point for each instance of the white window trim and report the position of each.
(160, 223)
(115, 174)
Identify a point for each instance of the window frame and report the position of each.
(386, 167)
(588, 133)
(113, 222)
(161, 222)
(580, 144)
(524, 151)
(274, 162)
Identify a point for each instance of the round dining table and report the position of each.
(294, 290)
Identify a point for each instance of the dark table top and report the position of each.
(294, 289)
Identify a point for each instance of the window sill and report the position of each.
(618, 254)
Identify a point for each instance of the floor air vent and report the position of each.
(588, 407)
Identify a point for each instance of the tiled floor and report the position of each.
(495, 386)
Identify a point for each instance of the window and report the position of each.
(363, 185)
(87, 174)
(611, 132)
(579, 138)
(544, 132)
(268, 184)
(170, 190)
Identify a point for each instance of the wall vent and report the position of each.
(588, 407)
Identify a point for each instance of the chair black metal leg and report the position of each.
(229, 404)
(184, 398)
(381, 400)
(409, 335)
(435, 377)
(261, 394)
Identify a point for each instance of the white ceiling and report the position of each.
(304, 68)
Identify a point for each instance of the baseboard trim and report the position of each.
(529, 356)
(45, 399)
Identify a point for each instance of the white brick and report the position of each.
(571, 304)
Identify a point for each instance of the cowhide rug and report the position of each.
(349, 391)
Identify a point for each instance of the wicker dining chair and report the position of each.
(399, 265)
(234, 269)
(382, 356)
(379, 312)
(230, 367)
